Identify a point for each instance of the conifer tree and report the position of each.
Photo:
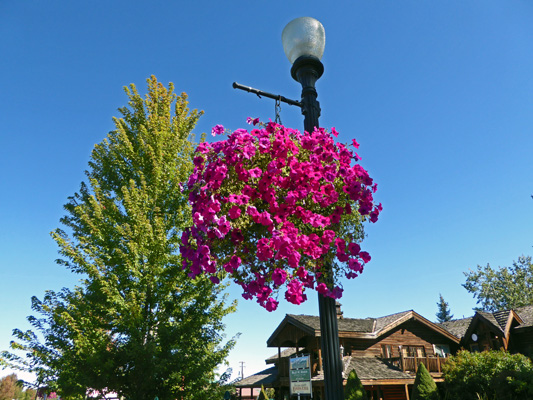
(354, 389)
(263, 395)
(424, 387)
(443, 313)
(137, 325)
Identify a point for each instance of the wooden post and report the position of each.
(406, 391)
(402, 363)
(319, 358)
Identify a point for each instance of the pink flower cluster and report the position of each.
(277, 208)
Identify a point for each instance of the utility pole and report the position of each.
(242, 369)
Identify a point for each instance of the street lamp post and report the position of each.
(303, 42)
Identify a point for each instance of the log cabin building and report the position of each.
(386, 351)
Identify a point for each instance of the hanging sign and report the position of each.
(300, 376)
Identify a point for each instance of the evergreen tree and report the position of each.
(443, 313)
(424, 387)
(137, 324)
(354, 389)
(263, 394)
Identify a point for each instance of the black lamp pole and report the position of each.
(305, 37)
(307, 70)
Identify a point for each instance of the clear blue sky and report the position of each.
(438, 93)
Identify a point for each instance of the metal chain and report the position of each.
(277, 110)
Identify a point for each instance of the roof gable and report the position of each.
(295, 327)
(526, 315)
(500, 322)
(292, 329)
(489, 320)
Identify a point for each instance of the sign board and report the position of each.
(299, 362)
(300, 376)
(301, 388)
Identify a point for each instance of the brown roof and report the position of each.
(357, 325)
(526, 314)
(491, 319)
(363, 325)
(285, 353)
(374, 368)
(457, 327)
(368, 368)
(383, 322)
(309, 320)
(502, 317)
(345, 324)
(265, 378)
(497, 319)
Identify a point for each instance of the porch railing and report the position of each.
(410, 364)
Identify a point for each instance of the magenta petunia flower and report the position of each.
(274, 208)
(234, 212)
(217, 130)
(354, 249)
(279, 276)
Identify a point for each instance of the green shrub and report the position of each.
(354, 389)
(425, 387)
(490, 374)
(263, 395)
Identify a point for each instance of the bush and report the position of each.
(425, 387)
(354, 389)
(490, 374)
(263, 394)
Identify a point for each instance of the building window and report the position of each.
(474, 348)
(413, 351)
(441, 350)
(386, 350)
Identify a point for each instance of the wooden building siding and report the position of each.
(292, 336)
(522, 342)
(394, 392)
(410, 333)
(488, 338)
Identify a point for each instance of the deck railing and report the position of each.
(410, 364)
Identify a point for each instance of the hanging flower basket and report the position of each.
(275, 208)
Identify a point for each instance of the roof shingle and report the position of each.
(457, 327)
(265, 378)
(362, 325)
(374, 368)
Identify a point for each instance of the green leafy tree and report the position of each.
(354, 389)
(137, 324)
(29, 394)
(424, 387)
(443, 313)
(503, 288)
(489, 374)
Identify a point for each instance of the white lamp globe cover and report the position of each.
(304, 36)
